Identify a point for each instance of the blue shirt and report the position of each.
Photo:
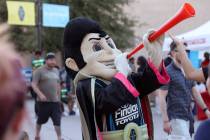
(179, 94)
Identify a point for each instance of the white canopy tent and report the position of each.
(197, 39)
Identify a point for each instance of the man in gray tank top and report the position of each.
(46, 85)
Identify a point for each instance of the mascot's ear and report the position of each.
(70, 63)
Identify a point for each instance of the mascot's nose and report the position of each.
(109, 50)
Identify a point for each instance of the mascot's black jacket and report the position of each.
(110, 98)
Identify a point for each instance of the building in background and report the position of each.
(153, 13)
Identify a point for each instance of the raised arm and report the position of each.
(200, 102)
(191, 73)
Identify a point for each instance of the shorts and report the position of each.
(180, 128)
(48, 110)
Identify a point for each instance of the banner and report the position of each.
(21, 13)
(55, 15)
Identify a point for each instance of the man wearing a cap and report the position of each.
(46, 85)
(175, 99)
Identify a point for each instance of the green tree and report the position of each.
(109, 13)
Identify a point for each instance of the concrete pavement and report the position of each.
(70, 126)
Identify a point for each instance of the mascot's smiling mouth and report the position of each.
(108, 63)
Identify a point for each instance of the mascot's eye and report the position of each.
(110, 44)
(97, 47)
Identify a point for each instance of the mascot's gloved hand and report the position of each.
(154, 49)
(121, 63)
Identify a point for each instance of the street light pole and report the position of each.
(39, 23)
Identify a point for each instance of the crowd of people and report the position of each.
(179, 99)
(53, 88)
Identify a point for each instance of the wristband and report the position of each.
(204, 110)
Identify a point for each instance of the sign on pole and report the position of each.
(55, 15)
(21, 13)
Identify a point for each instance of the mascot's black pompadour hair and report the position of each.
(74, 33)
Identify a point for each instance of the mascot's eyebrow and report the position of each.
(107, 38)
(94, 39)
(98, 38)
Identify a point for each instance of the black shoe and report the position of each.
(71, 113)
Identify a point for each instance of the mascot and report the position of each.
(112, 101)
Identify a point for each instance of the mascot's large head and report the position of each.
(88, 49)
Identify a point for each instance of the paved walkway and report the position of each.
(71, 127)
